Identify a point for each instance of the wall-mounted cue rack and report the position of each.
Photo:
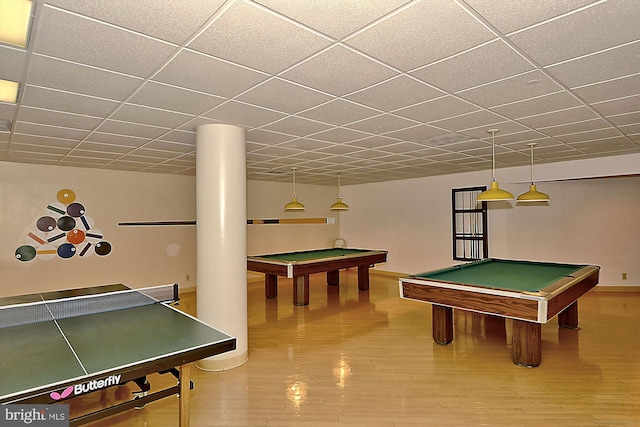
(249, 222)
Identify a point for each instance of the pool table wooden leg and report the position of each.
(333, 277)
(270, 285)
(568, 318)
(301, 290)
(527, 343)
(442, 324)
(363, 277)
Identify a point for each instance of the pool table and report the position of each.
(531, 293)
(298, 266)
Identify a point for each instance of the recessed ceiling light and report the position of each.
(15, 16)
(8, 91)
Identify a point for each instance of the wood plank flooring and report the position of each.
(366, 359)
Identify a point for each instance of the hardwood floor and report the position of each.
(366, 359)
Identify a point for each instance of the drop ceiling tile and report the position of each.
(577, 127)
(174, 148)
(339, 112)
(590, 135)
(281, 95)
(618, 106)
(340, 135)
(612, 145)
(542, 104)
(13, 63)
(80, 79)
(417, 133)
(583, 32)
(401, 39)
(251, 36)
(42, 144)
(339, 149)
(52, 131)
(373, 142)
(98, 147)
(50, 99)
(7, 112)
(517, 88)
(383, 123)
(298, 126)
(305, 144)
(402, 147)
(149, 116)
(164, 19)
(606, 65)
(267, 137)
(338, 71)
(149, 152)
(486, 63)
(72, 37)
(522, 14)
(612, 89)
(277, 151)
(625, 119)
(180, 136)
(117, 140)
(337, 19)
(103, 156)
(555, 118)
(192, 125)
(241, 114)
(21, 155)
(131, 129)
(395, 93)
(481, 118)
(203, 73)
(172, 98)
(55, 118)
(437, 109)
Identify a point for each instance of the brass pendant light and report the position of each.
(294, 205)
(339, 205)
(494, 193)
(533, 195)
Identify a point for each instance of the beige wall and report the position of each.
(591, 221)
(587, 221)
(141, 256)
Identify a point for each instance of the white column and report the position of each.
(221, 214)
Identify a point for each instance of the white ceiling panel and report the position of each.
(164, 19)
(252, 36)
(375, 90)
(98, 44)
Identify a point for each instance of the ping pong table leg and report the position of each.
(184, 395)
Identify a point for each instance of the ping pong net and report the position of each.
(56, 309)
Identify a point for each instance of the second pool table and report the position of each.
(298, 266)
(531, 293)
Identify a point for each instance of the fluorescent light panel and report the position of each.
(15, 16)
(8, 91)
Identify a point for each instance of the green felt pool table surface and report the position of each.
(313, 254)
(513, 275)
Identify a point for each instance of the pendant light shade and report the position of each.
(533, 195)
(339, 205)
(494, 193)
(294, 205)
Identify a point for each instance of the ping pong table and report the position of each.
(58, 345)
